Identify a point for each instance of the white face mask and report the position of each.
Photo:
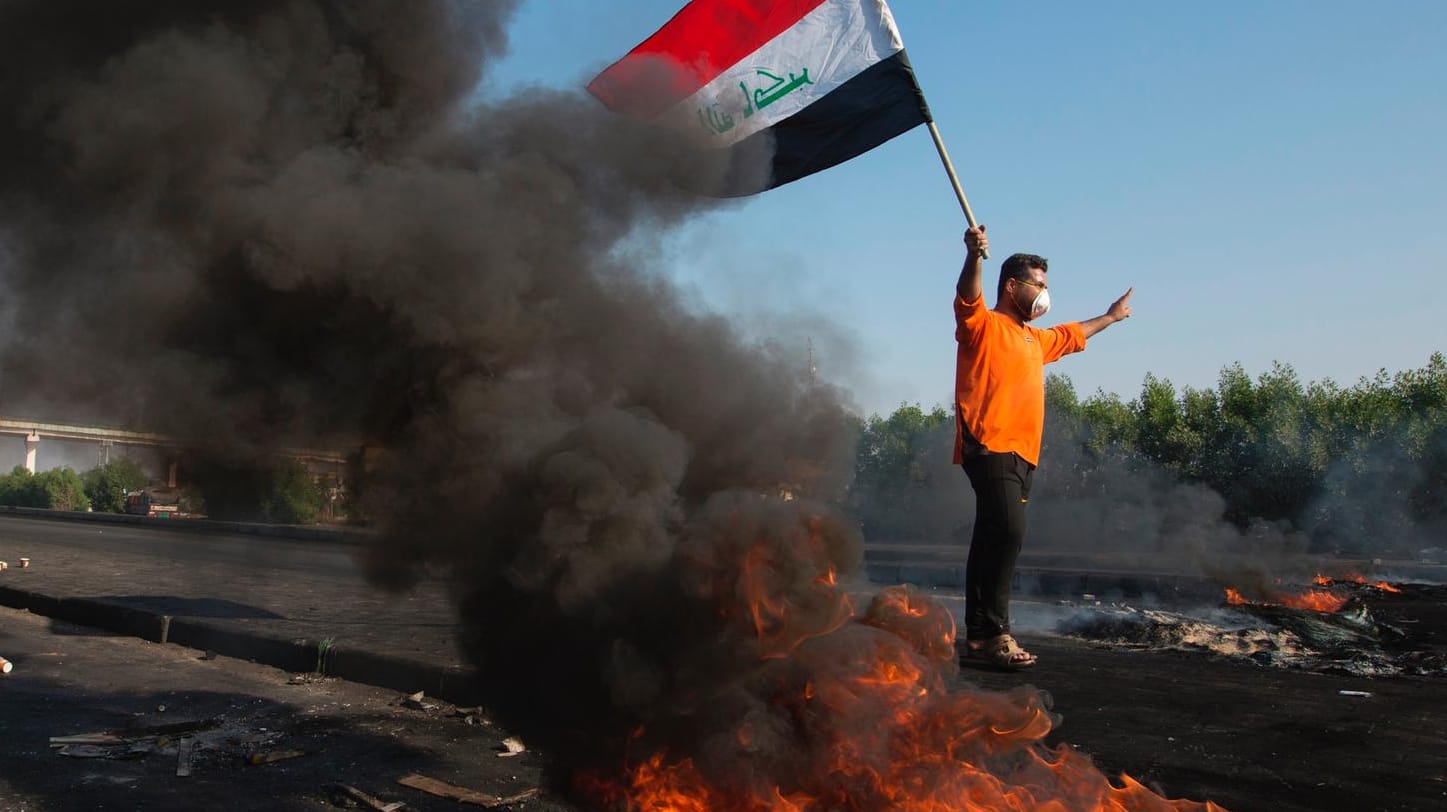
(1040, 306)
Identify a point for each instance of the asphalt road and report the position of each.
(1193, 726)
(1246, 736)
(307, 558)
(71, 680)
(259, 587)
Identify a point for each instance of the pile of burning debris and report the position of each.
(1345, 623)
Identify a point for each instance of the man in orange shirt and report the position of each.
(999, 419)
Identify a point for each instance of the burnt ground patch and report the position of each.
(1247, 736)
(1375, 632)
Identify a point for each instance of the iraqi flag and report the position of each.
(783, 88)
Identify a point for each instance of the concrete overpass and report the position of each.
(107, 437)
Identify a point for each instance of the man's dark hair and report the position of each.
(1017, 266)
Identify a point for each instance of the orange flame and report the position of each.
(911, 614)
(859, 714)
(871, 723)
(1354, 578)
(932, 752)
(1315, 600)
(654, 785)
(773, 605)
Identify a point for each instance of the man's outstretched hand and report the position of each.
(1120, 310)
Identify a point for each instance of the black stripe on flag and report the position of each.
(883, 101)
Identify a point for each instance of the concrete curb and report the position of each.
(293, 531)
(297, 655)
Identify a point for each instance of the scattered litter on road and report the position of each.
(128, 750)
(87, 738)
(471, 716)
(24, 563)
(415, 701)
(184, 751)
(134, 743)
(511, 746)
(1354, 693)
(275, 755)
(6, 666)
(4, 566)
(442, 789)
(172, 728)
(341, 792)
(519, 797)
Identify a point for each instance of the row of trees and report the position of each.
(281, 492)
(1359, 467)
(285, 493)
(1351, 468)
(102, 488)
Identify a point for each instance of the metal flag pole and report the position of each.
(954, 179)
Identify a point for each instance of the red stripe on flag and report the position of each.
(703, 39)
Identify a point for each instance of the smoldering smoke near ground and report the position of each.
(1122, 510)
(273, 222)
(1128, 512)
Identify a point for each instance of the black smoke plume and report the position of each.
(285, 222)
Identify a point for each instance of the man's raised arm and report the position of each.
(968, 287)
(1119, 311)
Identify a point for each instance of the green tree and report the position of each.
(106, 485)
(1062, 409)
(295, 497)
(252, 490)
(57, 489)
(1162, 432)
(897, 461)
(60, 489)
(888, 447)
(15, 487)
(1359, 468)
(1108, 422)
(1060, 399)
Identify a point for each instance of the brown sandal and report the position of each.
(1002, 652)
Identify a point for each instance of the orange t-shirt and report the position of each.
(1000, 378)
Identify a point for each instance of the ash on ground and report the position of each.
(1376, 633)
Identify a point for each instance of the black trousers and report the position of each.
(1002, 489)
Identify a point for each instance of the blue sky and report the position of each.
(1271, 177)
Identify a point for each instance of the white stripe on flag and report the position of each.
(826, 48)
